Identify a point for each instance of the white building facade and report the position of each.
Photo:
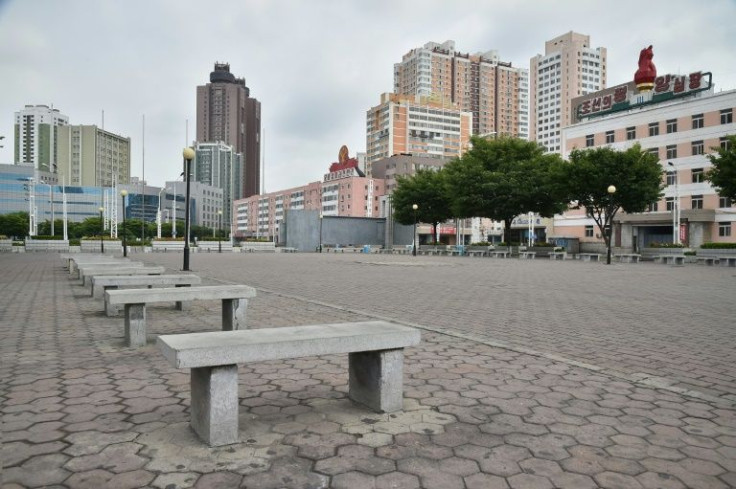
(36, 136)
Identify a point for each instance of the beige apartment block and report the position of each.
(92, 157)
(495, 92)
(568, 68)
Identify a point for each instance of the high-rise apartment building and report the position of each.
(417, 125)
(36, 135)
(568, 68)
(218, 165)
(496, 93)
(226, 112)
(90, 156)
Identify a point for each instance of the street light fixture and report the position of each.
(51, 203)
(219, 232)
(675, 206)
(188, 154)
(609, 218)
(414, 248)
(320, 232)
(102, 229)
(123, 193)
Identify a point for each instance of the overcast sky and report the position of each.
(316, 66)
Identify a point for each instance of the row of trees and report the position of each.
(16, 225)
(507, 177)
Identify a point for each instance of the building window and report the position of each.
(698, 148)
(654, 151)
(725, 143)
(724, 229)
(671, 151)
(696, 202)
(653, 207)
(670, 202)
(671, 126)
(671, 178)
(654, 129)
(697, 121)
(588, 231)
(589, 141)
(610, 137)
(724, 202)
(698, 175)
(726, 116)
(630, 133)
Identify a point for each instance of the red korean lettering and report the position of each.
(606, 102)
(596, 104)
(679, 84)
(620, 94)
(584, 107)
(695, 80)
(662, 84)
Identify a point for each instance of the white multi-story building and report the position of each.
(90, 156)
(496, 93)
(568, 68)
(681, 121)
(36, 136)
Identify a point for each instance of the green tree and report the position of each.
(503, 178)
(723, 173)
(14, 224)
(427, 190)
(635, 174)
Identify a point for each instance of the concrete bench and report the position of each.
(498, 254)
(557, 255)
(216, 246)
(476, 252)
(288, 250)
(101, 265)
(727, 261)
(527, 255)
(165, 246)
(234, 303)
(707, 260)
(89, 274)
(101, 283)
(375, 366)
(627, 257)
(74, 262)
(589, 256)
(670, 259)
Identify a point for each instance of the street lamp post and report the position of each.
(102, 229)
(609, 218)
(123, 193)
(675, 206)
(320, 232)
(188, 154)
(51, 203)
(414, 248)
(219, 231)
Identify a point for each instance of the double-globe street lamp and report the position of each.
(414, 249)
(102, 229)
(188, 154)
(123, 193)
(609, 217)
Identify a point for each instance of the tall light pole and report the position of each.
(320, 232)
(188, 154)
(609, 219)
(675, 206)
(219, 231)
(51, 203)
(102, 229)
(123, 193)
(414, 249)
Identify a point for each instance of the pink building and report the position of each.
(344, 191)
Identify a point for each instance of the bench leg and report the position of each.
(214, 404)
(135, 325)
(233, 314)
(98, 291)
(181, 306)
(377, 379)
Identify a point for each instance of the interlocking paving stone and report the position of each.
(517, 381)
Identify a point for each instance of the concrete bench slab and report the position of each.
(676, 260)
(727, 261)
(589, 256)
(234, 304)
(557, 255)
(376, 355)
(87, 273)
(528, 255)
(74, 262)
(627, 257)
(101, 283)
(498, 254)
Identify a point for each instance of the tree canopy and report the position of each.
(427, 190)
(503, 178)
(635, 174)
(723, 173)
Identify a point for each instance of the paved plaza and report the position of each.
(530, 374)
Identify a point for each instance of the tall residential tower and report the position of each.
(568, 68)
(227, 113)
(36, 136)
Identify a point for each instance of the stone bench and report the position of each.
(98, 268)
(670, 259)
(101, 283)
(707, 260)
(253, 246)
(216, 246)
(557, 255)
(89, 274)
(627, 257)
(498, 254)
(165, 246)
(288, 250)
(74, 262)
(589, 256)
(476, 252)
(101, 265)
(527, 255)
(234, 303)
(727, 261)
(375, 366)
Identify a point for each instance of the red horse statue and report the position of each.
(647, 72)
